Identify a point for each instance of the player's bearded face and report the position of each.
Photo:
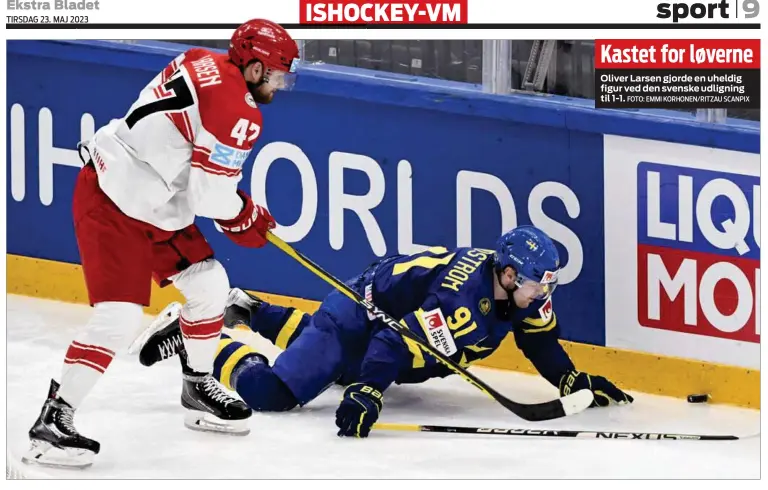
(259, 85)
(270, 81)
(262, 93)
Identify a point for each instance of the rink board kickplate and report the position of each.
(635, 371)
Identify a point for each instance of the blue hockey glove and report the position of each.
(358, 411)
(605, 392)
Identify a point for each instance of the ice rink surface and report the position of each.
(135, 413)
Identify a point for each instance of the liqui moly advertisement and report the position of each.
(682, 250)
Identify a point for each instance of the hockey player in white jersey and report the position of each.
(176, 154)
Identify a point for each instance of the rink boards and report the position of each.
(656, 216)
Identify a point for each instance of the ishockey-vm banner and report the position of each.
(437, 12)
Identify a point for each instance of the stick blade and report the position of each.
(577, 402)
(554, 409)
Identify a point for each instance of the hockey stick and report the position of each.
(586, 434)
(567, 405)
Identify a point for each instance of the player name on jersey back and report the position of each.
(207, 71)
(466, 265)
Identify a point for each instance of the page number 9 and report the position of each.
(751, 8)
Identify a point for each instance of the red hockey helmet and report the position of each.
(265, 41)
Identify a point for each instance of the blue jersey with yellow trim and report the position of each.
(446, 297)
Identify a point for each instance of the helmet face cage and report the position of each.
(279, 79)
(543, 289)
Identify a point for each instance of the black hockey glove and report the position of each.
(358, 411)
(605, 392)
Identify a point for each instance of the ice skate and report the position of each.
(240, 305)
(54, 440)
(162, 339)
(210, 408)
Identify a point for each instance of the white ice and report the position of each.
(135, 413)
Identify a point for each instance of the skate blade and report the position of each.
(46, 454)
(206, 422)
(169, 313)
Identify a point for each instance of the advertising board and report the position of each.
(682, 242)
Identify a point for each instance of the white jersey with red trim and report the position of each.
(179, 151)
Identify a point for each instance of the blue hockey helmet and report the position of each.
(533, 256)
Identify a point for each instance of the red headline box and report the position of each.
(383, 12)
(677, 53)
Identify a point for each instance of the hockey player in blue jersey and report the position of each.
(463, 302)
